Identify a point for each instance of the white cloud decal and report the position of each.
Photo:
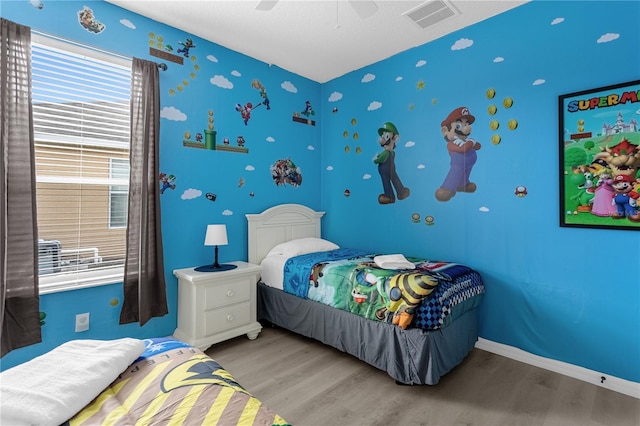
(368, 77)
(409, 144)
(421, 166)
(539, 82)
(212, 58)
(606, 38)
(398, 78)
(190, 194)
(236, 73)
(421, 63)
(270, 139)
(329, 168)
(249, 168)
(335, 96)
(311, 148)
(289, 87)
(484, 209)
(127, 23)
(557, 21)
(463, 43)
(173, 114)
(498, 59)
(374, 106)
(366, 176)
(227, 212)
(221, 81)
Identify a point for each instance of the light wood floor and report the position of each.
(308, 383)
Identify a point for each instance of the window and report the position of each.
(81, 125)
(118, 194)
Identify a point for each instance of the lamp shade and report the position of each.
(216, 235)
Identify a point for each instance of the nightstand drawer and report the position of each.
(226, 318)
(230, 291)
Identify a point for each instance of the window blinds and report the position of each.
(81, 126)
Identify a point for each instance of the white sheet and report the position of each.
(52, 388)
(272, 273)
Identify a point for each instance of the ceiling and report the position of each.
(317, 39)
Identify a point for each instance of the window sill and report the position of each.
(80, 279)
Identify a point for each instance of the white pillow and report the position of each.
(302, 246)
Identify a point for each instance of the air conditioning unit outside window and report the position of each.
(49, 259)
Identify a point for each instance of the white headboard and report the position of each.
(278, 224)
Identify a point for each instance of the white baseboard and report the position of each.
(600, 379)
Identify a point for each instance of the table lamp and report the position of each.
(216, 236)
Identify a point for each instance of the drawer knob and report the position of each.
(230, 293)
(229, 317)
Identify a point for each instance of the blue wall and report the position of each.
(211, 78)
(569, 294)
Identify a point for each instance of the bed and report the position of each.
(415, 340)
(127, 382)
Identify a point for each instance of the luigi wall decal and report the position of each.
(388, 137)
(187, 45)
(456, 129)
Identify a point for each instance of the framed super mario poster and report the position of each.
(600, 157)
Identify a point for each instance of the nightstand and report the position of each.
(216, 306)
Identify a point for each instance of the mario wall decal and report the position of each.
(456, 129)
(166, 182)
(387, 165)
(246, 109)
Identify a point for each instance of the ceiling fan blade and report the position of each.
(266, 4)
(364, 8)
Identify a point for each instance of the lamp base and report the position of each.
(215, 268)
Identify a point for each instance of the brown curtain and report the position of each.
(19, 294)
(144, 284)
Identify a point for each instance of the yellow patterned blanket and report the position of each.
(174, 383)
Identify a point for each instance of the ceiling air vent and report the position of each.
(431, 12)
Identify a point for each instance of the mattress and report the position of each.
(350, 280)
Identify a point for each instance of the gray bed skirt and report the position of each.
(411, 356)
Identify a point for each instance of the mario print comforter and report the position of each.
(429, 296)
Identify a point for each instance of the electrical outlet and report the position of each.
(82, 322)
